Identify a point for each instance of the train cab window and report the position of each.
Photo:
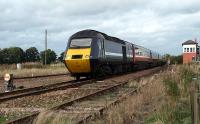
(190, 49)
(78, 43)
(184, 49)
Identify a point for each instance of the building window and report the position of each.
(184, 49)
(190, 49)
(193, 49)
(187, 49)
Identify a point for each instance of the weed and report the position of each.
(179, 114)
(33, 69)
(186, 76)
(172, 87)
(52, 118)
(2, 119)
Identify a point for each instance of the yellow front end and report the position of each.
(78, 60)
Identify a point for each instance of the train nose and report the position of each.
(77, 60)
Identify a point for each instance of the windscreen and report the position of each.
(84, 42)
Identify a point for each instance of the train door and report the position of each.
(124, 54)
(151, 55)
(133, 48)
(103, 49)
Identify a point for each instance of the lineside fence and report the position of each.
(195, 101)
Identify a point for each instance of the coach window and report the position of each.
(184, 49)
(190, 49)
(187, 49)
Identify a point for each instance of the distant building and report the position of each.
(190, 51)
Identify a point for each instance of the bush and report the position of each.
(51, 56)
(180, 114)
(2, 120)
(171, 86)
(12, 55)
(32, 54)
(186, 76)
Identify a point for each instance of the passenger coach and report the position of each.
(91, 53)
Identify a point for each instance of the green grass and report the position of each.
(180, 114)
(2, 119)
(186, 74)
(176, 110)
(172, 87)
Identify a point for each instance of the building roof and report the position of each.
(189, 42)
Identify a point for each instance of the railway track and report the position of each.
(39, 76)
(96, 91)
(41, 89)
(35, 81)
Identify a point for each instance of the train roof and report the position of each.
(94, 33)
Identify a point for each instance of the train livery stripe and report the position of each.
(142, 56)
(113, 54)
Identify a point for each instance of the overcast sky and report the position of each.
(160, 25)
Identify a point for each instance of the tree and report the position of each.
(51, 56)
(167, 56)
(61, 57)
(1, 57)
(12, 55)
(177, 59)
(174, 59)
(32, 54)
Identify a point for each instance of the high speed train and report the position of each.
(91, 53)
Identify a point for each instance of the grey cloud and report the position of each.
(153, 24)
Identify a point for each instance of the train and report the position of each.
(91, 53)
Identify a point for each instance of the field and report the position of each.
(33, 69)
(164, 100)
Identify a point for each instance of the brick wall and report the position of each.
(187, 57)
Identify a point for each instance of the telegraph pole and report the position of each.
(45, 48)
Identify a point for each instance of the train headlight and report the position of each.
(7, 77)
(68, 57)
(87, 56)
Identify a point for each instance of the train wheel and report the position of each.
(100, 72)
(88, 77)
(107, 70)
(77, 78)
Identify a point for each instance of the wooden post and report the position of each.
(45, 61)
(196, 109)
(194, 100)
(192, 91)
